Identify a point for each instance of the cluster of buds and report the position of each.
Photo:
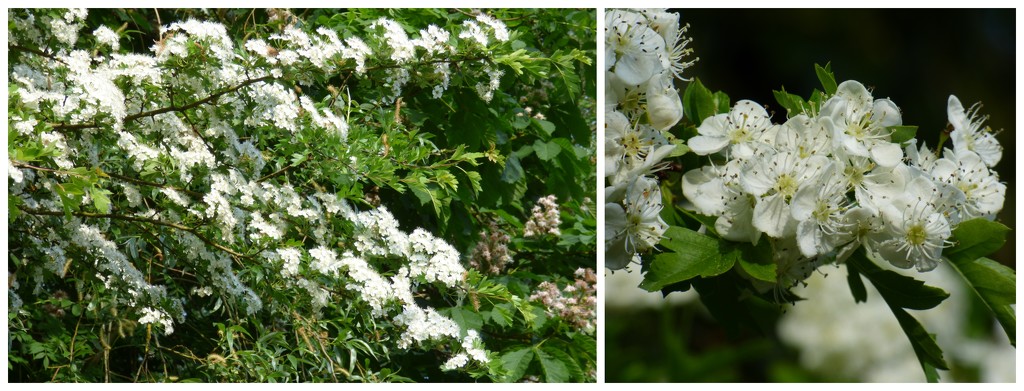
(544, 218)
(576, 303)
(491, 253)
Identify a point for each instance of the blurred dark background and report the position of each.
(916, 57)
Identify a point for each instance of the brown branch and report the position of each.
(162, 110)
(35, 51)
(179, 227)
(282, 170)
(194, 194)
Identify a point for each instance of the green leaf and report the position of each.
(928, 352)
(513, 170)
(546, 150)
(827, 79)
(680, 150)
(722, 102)
(757, 262)
(501, 314)
(860, 293)
(100, 199)
(975, 239)
(466, 319)
(555, 371)
(897, 289)
(569, 81)
(575, 372)
(902, 134)
(514, 60)
(698, 102)
(546, 126)
(692, 255)
(793, 104)
(516, 362)
(996, 285)
(902, 292)
(12, 208)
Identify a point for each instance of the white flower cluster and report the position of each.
(114, 266)
(150, 315)
(820, 186)
(105, 36)
(644, 53)
(377, 235)
(474, 350)
(544, 218)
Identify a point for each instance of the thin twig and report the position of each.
(282, 170)
(162, 110)
(138, 219)
(36, 52)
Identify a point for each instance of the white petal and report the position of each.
(664, 108)
(955, 112)
(887, 154)
(771, 215)
(803, 204)
(704, 188)
(808, 238)
(885, 113)
(706, 145)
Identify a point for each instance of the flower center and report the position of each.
(917, 235)
(786, 185)
(632, 144)
(822, 212)
(739, 135)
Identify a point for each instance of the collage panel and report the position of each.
(809, 195)
(302, 195)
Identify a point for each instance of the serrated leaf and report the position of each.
(555, 371)
(928, 352)
(827, 79)
(692, 255)
(466, 319)
(793, 104)
(516, 362)
(976, 238)
(996, 285)
(902, 134)
(860, 293)
(501, 314)
(100, 199)
(446, 179)
(574, 370)
(546, 126)
(698, 102)
(419, 189)
(474, 181)
(897, 289)
(546, 150)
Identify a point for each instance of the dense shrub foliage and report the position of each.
(301, 195)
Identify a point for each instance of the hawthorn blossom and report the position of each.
(637, 227)
(968, 134)
(632, 47)
(740, 130)
(859, 123)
